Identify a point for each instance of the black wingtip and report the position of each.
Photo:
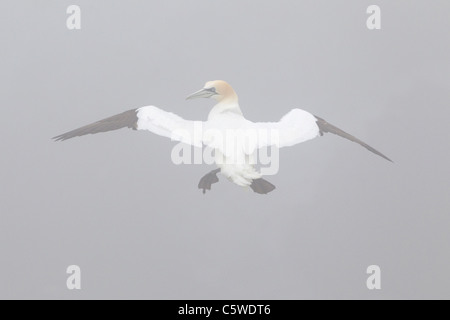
(388, 159)
(60, 138)
(378, 153)
(325, 127)
(127, 119)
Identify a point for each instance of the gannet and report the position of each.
(295, 127)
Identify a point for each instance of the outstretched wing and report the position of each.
(127, 119)
(148, 118)
(299, 126)
(325, 127)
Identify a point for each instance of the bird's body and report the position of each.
(234, 139)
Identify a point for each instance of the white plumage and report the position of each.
(235, 139)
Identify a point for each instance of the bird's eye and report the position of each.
(212, 90)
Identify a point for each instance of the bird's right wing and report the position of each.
(299, 126)
(148, 118)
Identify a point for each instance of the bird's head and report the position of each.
(218, 90)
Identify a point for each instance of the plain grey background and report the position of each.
(137, 225)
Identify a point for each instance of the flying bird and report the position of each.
(295, 127)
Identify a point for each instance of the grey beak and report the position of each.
(203, 93)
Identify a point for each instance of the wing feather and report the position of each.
(325, 127)
(148, 118)
(127, 119)
(299, 126)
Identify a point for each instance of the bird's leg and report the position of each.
(206, 182)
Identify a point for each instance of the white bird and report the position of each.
(295, 127)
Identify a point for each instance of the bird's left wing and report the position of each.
(149, 118)
(299, 126)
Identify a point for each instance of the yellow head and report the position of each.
(218, 90)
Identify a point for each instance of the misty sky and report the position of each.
(137, 225)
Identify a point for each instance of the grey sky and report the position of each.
(137, 225)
